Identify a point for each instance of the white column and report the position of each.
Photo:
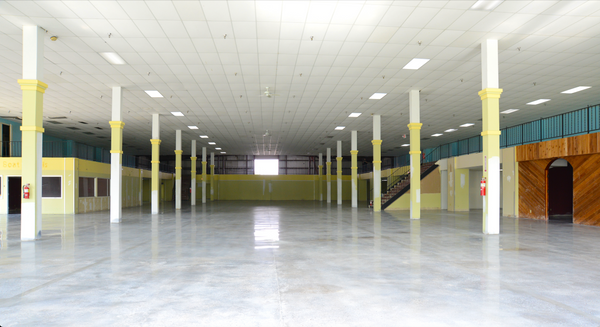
(328, 175)
(376, 163)
(116, 158)
(490, 97)
(32, 131)
(320, 177)
(178, 167)
(212, 176)
(354, 168)
(415, 153)
(155, 163)
(339, 173)
(193, 184)
(203, 174)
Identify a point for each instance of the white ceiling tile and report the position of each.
(189, 10)
(163, 10)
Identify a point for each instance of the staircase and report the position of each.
(403, 185)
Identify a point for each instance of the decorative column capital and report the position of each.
(193, 158)
(32, 85)
(490, 93)
(353, 152)
(117, 124)
(376, 142)
(32, 128)
(328, 163)
(155, 141)
(412, 126)
(178, 152)
(339, 158)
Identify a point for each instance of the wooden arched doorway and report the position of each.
(559, 191)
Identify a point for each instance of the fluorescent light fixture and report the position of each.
(377, 96)
(193, 127)
(212, 143)
(576, 89)
(487, 5)
(467, 125)
(509, 111)
(203, 136)
(416, 63)
(438, 134)
(405, 144)
(217, 148)
(113, 58)
(223, 152)
(339, 128)
(154, 94)
(177, 113)
(536, 102)
(355, 114)
(450, 130)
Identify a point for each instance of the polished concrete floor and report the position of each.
(297, 264)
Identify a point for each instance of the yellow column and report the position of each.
(377, 169)
(31, 209)
(155, 174)
(354, 168)
(320, 183)
(490, 101)
(212, 182)
(178, 178)
(415, 170)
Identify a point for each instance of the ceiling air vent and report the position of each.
(98, 127)
(58, 117)
(425, 138)
(82, 122)
(74, 128)
(88, 133)
(53, 122)
(329, 137)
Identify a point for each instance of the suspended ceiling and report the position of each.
(212, 60)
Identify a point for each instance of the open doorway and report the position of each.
(559, 191)
(14, 194)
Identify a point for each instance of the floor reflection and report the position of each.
(266, 229)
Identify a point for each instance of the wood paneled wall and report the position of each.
(583, 153)
(571, 146)
(532, 189)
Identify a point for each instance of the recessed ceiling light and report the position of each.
(405, 144)
(377, 96)
(339, 128)
(223, 152)
(509, 111)
(203, 136)
(217, 148)
(193, 127)
(154, 94)
(533, 103)
(488, 5)
(450, 130)
(113, 58)
(576, 89)
(212, 143)
(355, 114)
(416, 63)
(467, 125)
(436, 135)
(177, 113)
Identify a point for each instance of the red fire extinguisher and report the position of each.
(482, 187)
(26, 191)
